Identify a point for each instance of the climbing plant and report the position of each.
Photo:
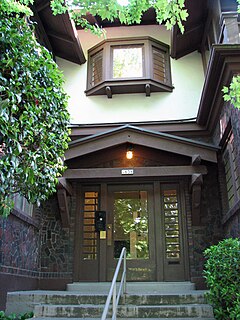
(33, 112)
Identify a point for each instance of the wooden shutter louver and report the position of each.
(159, 65)
(96, 68)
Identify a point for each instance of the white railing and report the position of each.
(113, 295)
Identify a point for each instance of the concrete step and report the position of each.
(126, 311)
(57, 298)
(133, 287)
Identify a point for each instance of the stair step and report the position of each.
(73, 298)
(133, 287)
(129, 311)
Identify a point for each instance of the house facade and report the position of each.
(153, 162)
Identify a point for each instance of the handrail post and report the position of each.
(114, 301)
(113, 295)
(125, 273)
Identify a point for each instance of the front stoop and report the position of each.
(86, 301)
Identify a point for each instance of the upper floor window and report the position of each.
(129, 66)
(231, 171)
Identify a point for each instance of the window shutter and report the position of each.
(159, 65)
(96, 68)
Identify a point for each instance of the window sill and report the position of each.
(231, 212)
(29, 220)
(111, 87)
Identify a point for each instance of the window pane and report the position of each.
(131, 224)
(89, 233)
(127, 62)
(171, 222)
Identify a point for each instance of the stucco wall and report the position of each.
(182, 103)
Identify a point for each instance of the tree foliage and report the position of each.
(169, 12)
(33, 112)
(232, 93)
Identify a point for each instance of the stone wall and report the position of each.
(209, 231)
(19, 254)
(56, 244)
(19, 245)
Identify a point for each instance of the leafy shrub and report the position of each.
(222, 273)
(13, 316)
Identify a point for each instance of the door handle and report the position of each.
(109, 234)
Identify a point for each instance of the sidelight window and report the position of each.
(171, 223)
(89, 234)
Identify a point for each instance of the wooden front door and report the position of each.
(148, 219)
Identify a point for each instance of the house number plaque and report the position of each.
(127, 171)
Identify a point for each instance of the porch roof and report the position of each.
(140, 136)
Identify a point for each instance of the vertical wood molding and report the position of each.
(103, 242)
(196, 187)
(63, 207)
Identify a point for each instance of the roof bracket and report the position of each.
(109, 92)
(148, 90)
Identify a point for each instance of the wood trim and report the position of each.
(163, 171)
(77, 235)
(181, 127)
(63, 207)
(64, 184)
(223, 64)
(196, 185)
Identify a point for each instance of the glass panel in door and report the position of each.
(131, 224)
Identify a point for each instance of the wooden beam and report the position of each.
(196, 185)
(196, 160)
(63, 207)
(164, 171)
(64, 184)
(61, 37)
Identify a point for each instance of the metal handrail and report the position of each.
(112, 295)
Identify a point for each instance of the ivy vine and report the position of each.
(33, 112)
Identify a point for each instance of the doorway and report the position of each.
(146, 218)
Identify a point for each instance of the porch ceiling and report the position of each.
(135, 135)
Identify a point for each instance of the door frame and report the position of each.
(156, 204)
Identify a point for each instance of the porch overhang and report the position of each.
(162, 171)
(143, 137)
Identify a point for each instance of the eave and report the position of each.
(190, 40)
(57, 33)
(224, 63)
